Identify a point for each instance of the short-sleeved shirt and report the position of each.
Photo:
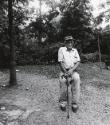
(69, 58)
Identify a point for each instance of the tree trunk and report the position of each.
(13, 80)
(40, 31)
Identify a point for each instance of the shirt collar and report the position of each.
(71, 50)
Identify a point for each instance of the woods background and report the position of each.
(38, 41)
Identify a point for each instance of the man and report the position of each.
(69, 60)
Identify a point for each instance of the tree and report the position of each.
(76, 20)
(13, 80)
(12, 50)
(103, 32)
(44, 26)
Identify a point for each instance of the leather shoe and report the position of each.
(63, 105)
(74, 107)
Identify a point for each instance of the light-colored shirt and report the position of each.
(69, 58)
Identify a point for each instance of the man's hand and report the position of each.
(70, 72)
(68, 78)
(66, 74)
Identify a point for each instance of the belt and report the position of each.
(67, 69)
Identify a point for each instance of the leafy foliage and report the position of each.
(39, 41)
(76, 21)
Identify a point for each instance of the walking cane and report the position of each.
(67, 97)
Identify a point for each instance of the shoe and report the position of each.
(74, 107)
(63, 105)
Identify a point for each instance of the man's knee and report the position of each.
(76, 76)
(62, 80)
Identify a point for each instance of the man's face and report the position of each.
(69, 44)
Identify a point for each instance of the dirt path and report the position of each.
(35, 100)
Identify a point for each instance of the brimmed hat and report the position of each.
(66, 38)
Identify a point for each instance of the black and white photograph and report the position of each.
(54, 62)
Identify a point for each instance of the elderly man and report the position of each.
(69, 60)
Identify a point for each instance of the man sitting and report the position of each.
(69, 60)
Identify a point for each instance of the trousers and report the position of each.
(75, 87)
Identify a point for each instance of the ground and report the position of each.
(35, 100)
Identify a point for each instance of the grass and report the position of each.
(45, 91)
(89, 73)
(50, 71)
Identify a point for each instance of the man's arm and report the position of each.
(63, 69)
(60, 60)
(74, 67)
(76, 64)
